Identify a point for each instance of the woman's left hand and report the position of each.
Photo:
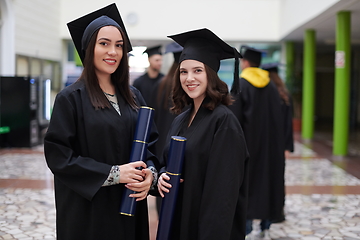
(141, 188)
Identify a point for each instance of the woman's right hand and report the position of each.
(163, 185)
(131, 172)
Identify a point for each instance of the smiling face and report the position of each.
(193, 80)
(108, 51)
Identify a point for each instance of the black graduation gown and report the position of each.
(212, 199)
(146, 86)
(81, 145)
(289, 132)
(262, 121)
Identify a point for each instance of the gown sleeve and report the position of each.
(224, 176)
(83, 175)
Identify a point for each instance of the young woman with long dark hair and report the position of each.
(89, 139)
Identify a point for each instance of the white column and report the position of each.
(7, 38)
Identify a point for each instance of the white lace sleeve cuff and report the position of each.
(155, 177)
(114, 176)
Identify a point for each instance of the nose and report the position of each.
(112, 51)
(190, 77)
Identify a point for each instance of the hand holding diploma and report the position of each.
(164, 185)
(141, 189)
(131, 172)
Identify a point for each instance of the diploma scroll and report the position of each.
(138, 153)
(173, 170)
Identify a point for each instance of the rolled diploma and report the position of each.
(173, 170)
(138, 153)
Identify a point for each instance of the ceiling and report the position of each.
(325, 24)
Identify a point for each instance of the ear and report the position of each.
(244, 63)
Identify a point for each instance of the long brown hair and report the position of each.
(120, 78)
(165, 87)
(283, 92)
(217, 91)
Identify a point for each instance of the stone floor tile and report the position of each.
(332, 213)
(7, 236)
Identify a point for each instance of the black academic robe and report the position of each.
(81, 145)
(146, 86)
(288, 117)
(262, 120)
(211, 203)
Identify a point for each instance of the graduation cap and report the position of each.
(204, 46)
(153, 50)
(271, 67)
(174, 48)
(252, 54)
(82, 29)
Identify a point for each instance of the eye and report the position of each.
(119, 45)
(198, 70)
(183, 71)
(103, 43)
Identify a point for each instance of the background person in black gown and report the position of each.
(287, 110)
(262, 122)
(147, 82)
(286, 103)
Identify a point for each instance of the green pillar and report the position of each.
(342, 83)
(308, 95)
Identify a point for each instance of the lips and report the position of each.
(192, 87)
(110, 61)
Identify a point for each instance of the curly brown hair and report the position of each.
(217, 91)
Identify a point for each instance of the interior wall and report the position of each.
(37, 31)
(325, 86)
(355, 89)
(7, 38)
(156, 19)
(325, 83)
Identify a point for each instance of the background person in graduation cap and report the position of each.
(262, 122)
(286, 103)
(146, 82)
(89, 139)
(162, 91)
(211, 202)
(286, 107)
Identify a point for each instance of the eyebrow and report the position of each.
(193, 68)
(106, 39)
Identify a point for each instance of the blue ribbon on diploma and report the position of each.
(138, 153)
(173, 170)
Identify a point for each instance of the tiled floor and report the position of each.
(322, 201)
